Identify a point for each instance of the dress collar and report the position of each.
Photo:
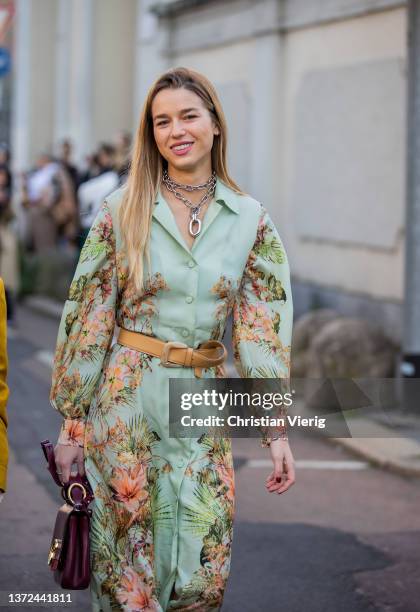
(223, 197)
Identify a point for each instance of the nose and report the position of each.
(177, 128)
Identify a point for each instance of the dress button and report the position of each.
(181, 463)
(185, 333)
(191, 264)
(189, 299)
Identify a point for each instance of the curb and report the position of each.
(384, 445)
(397, 455)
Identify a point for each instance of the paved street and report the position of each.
(346, 537)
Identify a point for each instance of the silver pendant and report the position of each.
(194, 221)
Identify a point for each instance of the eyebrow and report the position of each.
(184, 110)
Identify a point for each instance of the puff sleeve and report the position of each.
(263, 311)
(86, 329)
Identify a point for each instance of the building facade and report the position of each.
(315, 98)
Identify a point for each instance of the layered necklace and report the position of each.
(210, 186)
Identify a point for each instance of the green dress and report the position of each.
(164, 507)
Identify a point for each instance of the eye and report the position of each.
(163, 121)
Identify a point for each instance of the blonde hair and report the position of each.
(147, 166)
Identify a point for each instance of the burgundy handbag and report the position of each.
(69, 556)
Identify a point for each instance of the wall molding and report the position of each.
(200, 24)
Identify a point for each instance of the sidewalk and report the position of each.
(396, 449)
(400, 455)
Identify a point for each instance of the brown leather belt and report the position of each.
(173, 354)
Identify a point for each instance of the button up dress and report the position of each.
(164, 507)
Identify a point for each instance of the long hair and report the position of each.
(147, 166)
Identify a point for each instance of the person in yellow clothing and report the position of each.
(4, 392)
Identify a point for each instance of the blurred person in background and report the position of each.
(4, 155)
(92, 193)
(90, 168)
(50, 203)
(123, 155)
(65, 158)
(64, 207)
(8, 243)
(5, 190)
(4, 393)
(38, 199)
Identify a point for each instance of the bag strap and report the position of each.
(48, 449)
(77, 491)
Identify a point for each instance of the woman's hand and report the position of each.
(284, 466)
(65, 456)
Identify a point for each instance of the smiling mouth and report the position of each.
(186, 145)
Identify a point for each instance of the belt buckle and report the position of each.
(165, 353)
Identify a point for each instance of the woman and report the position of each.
(169, 263)
(4, 392)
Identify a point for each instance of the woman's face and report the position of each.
(179, 116)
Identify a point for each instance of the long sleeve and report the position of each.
(4, 390)
(86, 329)
(263, 311)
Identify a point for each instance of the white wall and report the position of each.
(315, 102)
(33, 81)
(342, 188)
(113, 67)
(74, 74)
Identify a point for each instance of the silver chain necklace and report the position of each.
(210, 185)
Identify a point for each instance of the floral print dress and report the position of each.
(164, 507)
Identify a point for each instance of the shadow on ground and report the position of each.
(296, 567)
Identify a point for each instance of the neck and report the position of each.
(187, 177)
